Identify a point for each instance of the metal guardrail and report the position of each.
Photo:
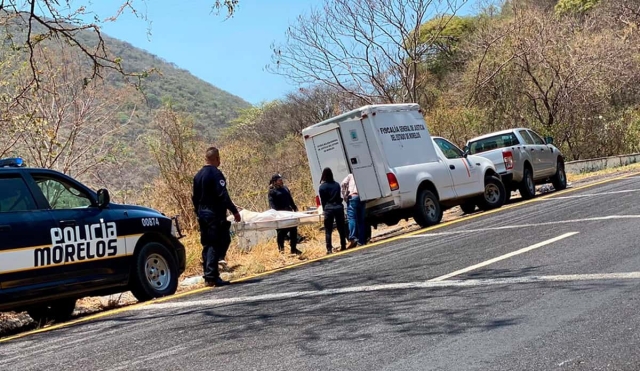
(595, 164)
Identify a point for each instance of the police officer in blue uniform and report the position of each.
(211, 202)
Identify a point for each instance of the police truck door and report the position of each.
(359, 157)
(88, 234)
(24, 231)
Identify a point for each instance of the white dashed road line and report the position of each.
(432, 283)
(503, 257)
(394, 287)
(590, 195)
(598, 218)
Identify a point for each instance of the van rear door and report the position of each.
(359, 157)
(329, 152)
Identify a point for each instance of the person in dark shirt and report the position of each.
(330, 194)
(280, 199)
(211, 202)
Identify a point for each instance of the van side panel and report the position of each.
(359, 156)
(404, 138)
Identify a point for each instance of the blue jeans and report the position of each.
(355, 214)
(337, 214)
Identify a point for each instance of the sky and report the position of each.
(228, 53)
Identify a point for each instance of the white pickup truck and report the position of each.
(399, 169)
(523, 159)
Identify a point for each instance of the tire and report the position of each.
(153, 258)
(468, 207)
(428, 211)
(494, 194)
(559, 179)
(57, 311)
(527, 187)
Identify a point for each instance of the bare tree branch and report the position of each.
(43, 20)
(564, 74)
(370, 49)
(66, 124)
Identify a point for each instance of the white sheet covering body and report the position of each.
(272, 219)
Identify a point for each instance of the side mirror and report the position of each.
(103, 198)
(465, 151)
(548, 140)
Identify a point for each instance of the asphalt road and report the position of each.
(549, 285)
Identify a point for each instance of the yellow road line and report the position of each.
(378, 243)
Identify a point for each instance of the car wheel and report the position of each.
(468, 207)
(428, 211)
(494, 194)
(559, 180)
(154, 272)
(527, 187)
(57, 311)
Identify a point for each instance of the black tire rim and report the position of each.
(430, 209)
(491, 193)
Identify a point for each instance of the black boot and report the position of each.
(216, 282)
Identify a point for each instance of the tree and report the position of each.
(623, 15)
(370, 49)
(440, 39)
(271, 122)
(10, 137)
(53, 19)
(561, 76)
(177, 150)
(66, 124)
(574, 6)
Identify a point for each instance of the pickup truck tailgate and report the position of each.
(495, 155)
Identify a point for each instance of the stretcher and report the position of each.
(272, 219)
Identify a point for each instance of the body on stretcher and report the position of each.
(272, 219)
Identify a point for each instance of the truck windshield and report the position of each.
(494, 142)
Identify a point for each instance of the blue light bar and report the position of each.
(12, 162)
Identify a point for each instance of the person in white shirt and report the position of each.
(355, 212)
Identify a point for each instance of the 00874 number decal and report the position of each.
(150, 222)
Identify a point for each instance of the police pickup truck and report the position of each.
(61, 241)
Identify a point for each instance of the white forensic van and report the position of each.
(400, 170)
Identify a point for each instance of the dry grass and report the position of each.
(265, 257)
(261, 257)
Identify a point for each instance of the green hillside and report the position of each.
(211, 107)
(131, 167)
